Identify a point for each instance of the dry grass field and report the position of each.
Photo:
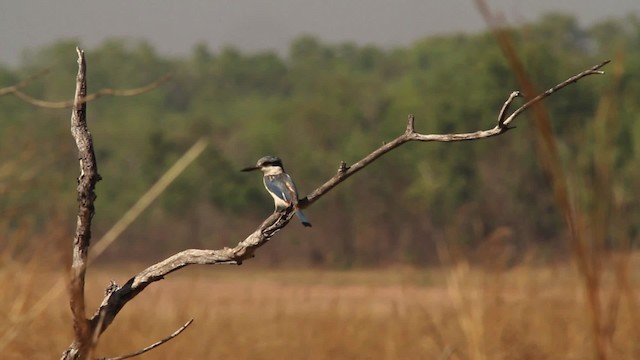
(450, 312)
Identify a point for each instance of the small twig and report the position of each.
(411, 135)
(505, 108)
(102, 92)
(594, 70)
(411, 125)
(152, 346)
(343, 167)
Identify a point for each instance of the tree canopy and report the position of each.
(315, 106)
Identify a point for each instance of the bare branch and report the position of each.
(594, 70)
(411, 125)
(100, 93)
(116, 300)
(86, 196)
(154, 345)
(110, 236)
(411, 135)
(117, 297)
(505, 107)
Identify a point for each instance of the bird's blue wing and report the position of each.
(282, 186)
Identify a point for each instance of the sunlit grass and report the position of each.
(456, 312)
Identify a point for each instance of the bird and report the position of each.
(279, 184)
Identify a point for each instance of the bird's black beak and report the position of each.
(251, 168)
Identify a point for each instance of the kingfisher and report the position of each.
(279, 184)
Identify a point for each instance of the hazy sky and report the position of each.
(173, 27)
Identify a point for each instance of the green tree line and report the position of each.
(315, 106)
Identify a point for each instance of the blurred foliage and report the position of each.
(318, 105)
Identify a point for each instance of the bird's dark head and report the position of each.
(268, 161)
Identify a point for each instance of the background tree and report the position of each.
(339, 101)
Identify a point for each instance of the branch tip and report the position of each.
(604, 63)
(505, 107)
(596, 68)
(591, 71)
(410, 124)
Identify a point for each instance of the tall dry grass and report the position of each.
(589, 226)
(456, 312)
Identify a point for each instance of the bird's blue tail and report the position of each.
(303, 218)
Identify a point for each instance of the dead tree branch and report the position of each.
(15, 90)
(117, 297)
(86, 196)
(411, 135)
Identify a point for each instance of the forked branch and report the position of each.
(114, 302)
(411, 135)
(118, 297)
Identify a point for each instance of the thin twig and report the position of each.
(411, 135)
(594, 70)
(102, 92)
(505, 108)
(152, 346)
